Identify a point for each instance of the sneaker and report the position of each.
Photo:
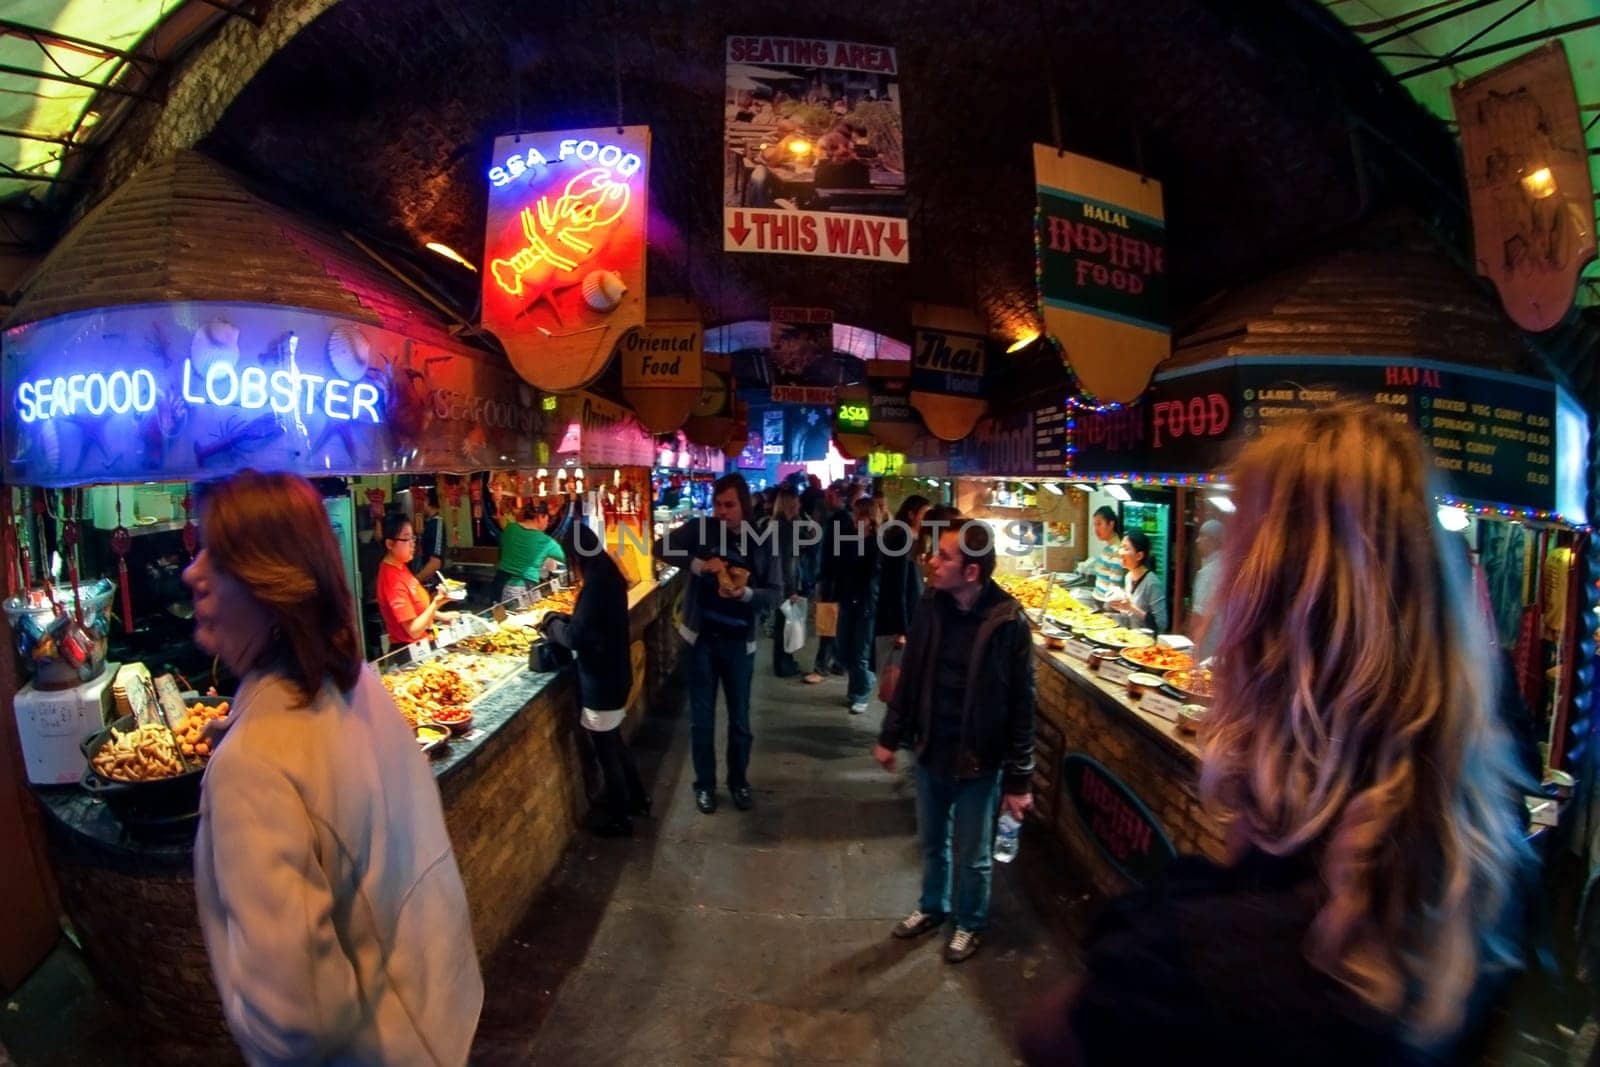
(963, 943)
(858, 708)
(916, 924)
(813, 679)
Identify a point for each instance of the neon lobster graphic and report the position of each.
(592, 200)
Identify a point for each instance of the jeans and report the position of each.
(958, 812)
(728, 661)
(855, 647)
(624, 791)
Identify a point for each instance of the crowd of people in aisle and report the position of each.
(1367, 912)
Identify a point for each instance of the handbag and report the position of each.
(827, 618)
(547, 657)
(889, 674)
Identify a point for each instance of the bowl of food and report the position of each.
(456, 719)
(1139, 681)
(1190, 716)
(430, 736)
(140, 772)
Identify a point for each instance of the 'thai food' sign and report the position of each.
(564, 271)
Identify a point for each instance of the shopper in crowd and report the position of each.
(1207, 543)
(528, 554)
(409, 614)
(428, 555)
(734, 578)
(329, 898)
(1141, 600)
(786, 543)
(835, 522)
(855, 585)
(597, 634)
(965, 706)
(899, 586)
(1105, 566)
(1371, 807)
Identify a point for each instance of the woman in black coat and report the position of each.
(597, 634)
(899, 584)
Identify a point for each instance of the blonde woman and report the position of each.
(1354, 756)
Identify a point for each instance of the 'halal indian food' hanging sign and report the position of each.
(563, 272)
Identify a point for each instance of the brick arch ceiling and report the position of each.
(379, 115)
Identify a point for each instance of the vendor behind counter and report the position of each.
(528, 554)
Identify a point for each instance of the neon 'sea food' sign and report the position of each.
(286, 392)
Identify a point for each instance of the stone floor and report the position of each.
(761, 937)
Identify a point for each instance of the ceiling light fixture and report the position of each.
(1117, 491)
(1221, 503)
(1024, 339)
(1053, 487)
(449, 253)
(1540, 184)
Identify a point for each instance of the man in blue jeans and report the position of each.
(964, 705)
(720, 609)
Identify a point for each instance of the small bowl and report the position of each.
(430, 736)
(1190, 716)
(456, 725)
(1139, 681)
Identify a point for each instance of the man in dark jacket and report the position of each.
(964, 705)
(720, 609)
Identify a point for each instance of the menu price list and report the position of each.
(1491, 436)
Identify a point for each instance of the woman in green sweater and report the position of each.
(527, 553)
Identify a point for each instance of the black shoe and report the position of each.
(613, 828)
(839, 670)
(742, 797)
(643, 807)
(705, 800)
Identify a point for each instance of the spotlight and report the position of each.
(449, 253)
(1024, 339)
(1453, 518)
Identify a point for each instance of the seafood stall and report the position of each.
(114, 414)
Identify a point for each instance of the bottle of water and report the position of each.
(1005, 838)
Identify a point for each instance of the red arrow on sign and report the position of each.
(895, 242)
(739, 230)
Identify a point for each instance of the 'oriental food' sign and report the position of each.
(564, 270)
(1103, 277)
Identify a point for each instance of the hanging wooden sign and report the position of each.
(949, 359)
(710, 420)
(1103, 271)
(564, 265)
(1527, 167)
(893, 422)
(661, 370)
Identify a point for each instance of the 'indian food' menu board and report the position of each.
(1493, 435)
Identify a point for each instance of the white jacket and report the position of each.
(329, 897)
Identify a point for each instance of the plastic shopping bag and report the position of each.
(794, 624)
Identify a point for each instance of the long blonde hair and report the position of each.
(1354, 719)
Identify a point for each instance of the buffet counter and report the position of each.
(1081, 712)
(513, 788)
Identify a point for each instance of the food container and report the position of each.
(154, 802)
(430, 737)
(1190, 716)
(1139, 681)
(456, 720)
(1054, 638)
(54, 653)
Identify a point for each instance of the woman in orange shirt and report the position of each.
(408, 613)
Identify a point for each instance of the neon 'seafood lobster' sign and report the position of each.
(592, 200)
(221, 385)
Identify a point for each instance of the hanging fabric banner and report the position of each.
(1522, 143)
(564, 267)
(1103, 271)
(949, 358)
(800, 360)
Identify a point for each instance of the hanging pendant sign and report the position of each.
(850, 420)
(564, 265)
(1103, 271)
(710, 420)
(661, 371)
(893, 421)
(949, 359)
(1527, 165)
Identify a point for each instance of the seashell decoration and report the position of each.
(603, 290)
(349, 352)
(217, 340)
